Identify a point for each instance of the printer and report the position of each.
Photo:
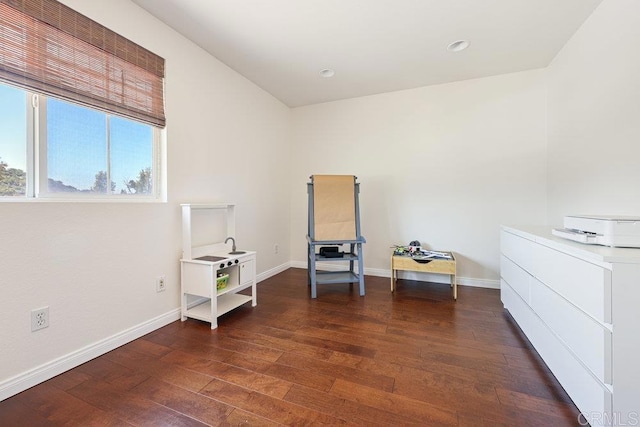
(606, 230)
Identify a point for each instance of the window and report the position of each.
(51, 148)
(81, 107)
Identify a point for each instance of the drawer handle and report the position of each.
(422, 261)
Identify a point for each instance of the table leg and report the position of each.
(454, 285)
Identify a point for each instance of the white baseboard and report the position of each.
(408, 275)
(55, 367)
(272, 272)
(479, 283)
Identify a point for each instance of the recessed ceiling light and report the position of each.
(327, 72)
(458, 45)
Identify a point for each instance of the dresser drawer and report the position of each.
(516, 277)
(587, 393)
(586, 285)
(517, 249)
(434, 266)
(586, 338)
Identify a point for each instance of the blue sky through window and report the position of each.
(13, 127)
(76, 144)
(76, 141)
(131, 150)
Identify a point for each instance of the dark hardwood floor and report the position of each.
(410, 358)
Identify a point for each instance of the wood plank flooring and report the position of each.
(410, 358)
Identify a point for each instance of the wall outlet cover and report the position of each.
(161, 284)
(39, 318)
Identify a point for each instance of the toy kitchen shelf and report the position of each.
(201, 265)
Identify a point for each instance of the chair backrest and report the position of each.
(333, 208)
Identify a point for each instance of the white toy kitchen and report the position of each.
(213, 271)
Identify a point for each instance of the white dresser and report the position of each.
(579, 305)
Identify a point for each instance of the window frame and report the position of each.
(36, 187)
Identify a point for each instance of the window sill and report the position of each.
(81, 200)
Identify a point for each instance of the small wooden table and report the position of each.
(438, 266)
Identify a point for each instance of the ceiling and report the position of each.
(374, 46)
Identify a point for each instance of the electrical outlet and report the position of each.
(161, 285)
(39, 318)
(275, 248)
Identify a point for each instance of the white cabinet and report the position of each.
(247, 270)
(579, 305)
(201, 265)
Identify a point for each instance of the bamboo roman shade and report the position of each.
(49, 48)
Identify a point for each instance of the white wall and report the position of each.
(594, 116)
(442, 164)
(94, 264)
